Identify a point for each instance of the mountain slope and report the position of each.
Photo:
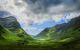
(10, 23)
(62, 31)
(70, 29)
(10, 31)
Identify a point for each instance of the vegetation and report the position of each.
(66, 35)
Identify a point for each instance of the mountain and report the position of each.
(10, 23)
(43, 34)
(11, 31)
(62, 31)
(70, 29)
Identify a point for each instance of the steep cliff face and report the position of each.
(10, 23)
(11, 31)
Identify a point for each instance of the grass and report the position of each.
(9, 39)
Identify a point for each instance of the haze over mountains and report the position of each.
(62, 31)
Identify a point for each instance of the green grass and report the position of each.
(13, 40)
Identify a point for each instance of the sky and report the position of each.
(36, 15)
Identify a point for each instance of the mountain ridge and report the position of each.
(61, 30)
(11, 31)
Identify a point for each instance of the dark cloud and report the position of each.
(38, 6)
(41, 5)
(4, 14)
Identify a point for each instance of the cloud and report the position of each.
(39, 11)
(33, 31)
(43, 5)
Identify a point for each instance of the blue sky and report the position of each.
(35, 16)
(51, 23)
(48, 23)
(36, 28)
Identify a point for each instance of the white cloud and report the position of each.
(23, 13)
(21, 10)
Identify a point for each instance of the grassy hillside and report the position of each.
(11, 32)
(66, 35)
(61, 33)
